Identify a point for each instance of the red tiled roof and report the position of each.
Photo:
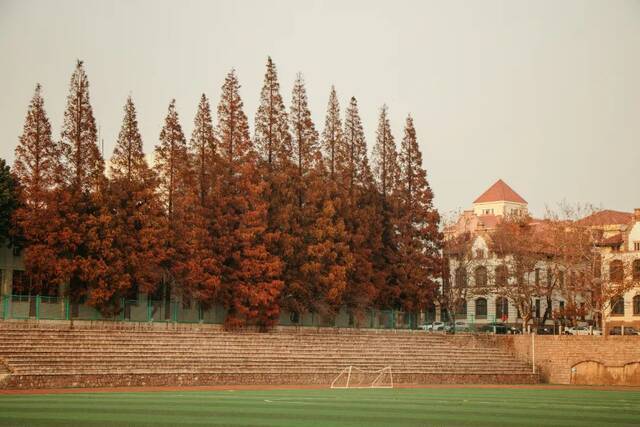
(499, 192)
(615, 240)
(607, 217)
(489, 221)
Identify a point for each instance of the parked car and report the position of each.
(515, 330)
(628, 330)
(544, 330)
(435, 326)
(431, 326)
(577, 330)
(494, 328)
(459, 326)
(582, 330)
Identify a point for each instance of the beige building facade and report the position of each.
(618, 241)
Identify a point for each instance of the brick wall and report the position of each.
(592, 360)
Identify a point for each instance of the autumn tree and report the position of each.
(315, 271)
(83, 237)
(457, 263)
(386, 172)
(37, 159)
(135, 213)
(359, 197)
(273, 146)
(332, 133)
(190, 268)
(250, 274)
(202, 148)
(203, 264)
(420, 240)
(591, 273)
(272, 138)
(522, 259)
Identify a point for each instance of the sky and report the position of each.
(543, 94)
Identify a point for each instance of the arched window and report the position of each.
(636, 305)
(481, 308)
(636, 269)
(616, 271)
(461, 308)
(502, 308)
(617, 306)
(502, 275)
(461, 277)
(480, 276)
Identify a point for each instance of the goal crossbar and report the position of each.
(379, 376)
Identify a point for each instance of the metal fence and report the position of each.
(147, 310)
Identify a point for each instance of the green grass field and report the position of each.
(373, 407)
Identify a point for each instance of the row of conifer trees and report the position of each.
(286, 219)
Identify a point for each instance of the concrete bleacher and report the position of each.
(56, 355)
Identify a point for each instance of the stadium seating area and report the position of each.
(59, 356)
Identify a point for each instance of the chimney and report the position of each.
(636, 214)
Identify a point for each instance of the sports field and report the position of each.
(325, 407)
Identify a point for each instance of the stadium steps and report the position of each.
(59, 357)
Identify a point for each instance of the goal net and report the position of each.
(354, 377)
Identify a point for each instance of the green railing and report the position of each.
(148, 310)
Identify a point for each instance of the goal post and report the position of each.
(354, 377)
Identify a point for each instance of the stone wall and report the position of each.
(591, 360)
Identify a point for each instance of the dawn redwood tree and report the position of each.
(202, 148)
(273, 146)
(189, 267)
(359, 210)
(306, 148)
(272, 138)
(204, 265)
(386, 173)
(298, 293)
(332, 133)
(37, 159)
(250, 274)
(136, 216)
(420, 240)
(385, 158)
(83, 237)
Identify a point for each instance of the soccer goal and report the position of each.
(354, 377)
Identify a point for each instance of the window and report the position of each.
(561, 307)
(616, 271)
(617, 306)
(461, 277)
(502, 308)
(502, 275)
(481, 308)
(480, 276)
(537, 308)
(461, 309)
(636, 246)
(636, 305)
(480, 253)
(537, 276)
(636, 269)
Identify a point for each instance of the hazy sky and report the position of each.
(543, 94)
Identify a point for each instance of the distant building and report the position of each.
(618, 240)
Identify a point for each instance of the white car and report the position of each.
(435, 326)
(582, 330)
